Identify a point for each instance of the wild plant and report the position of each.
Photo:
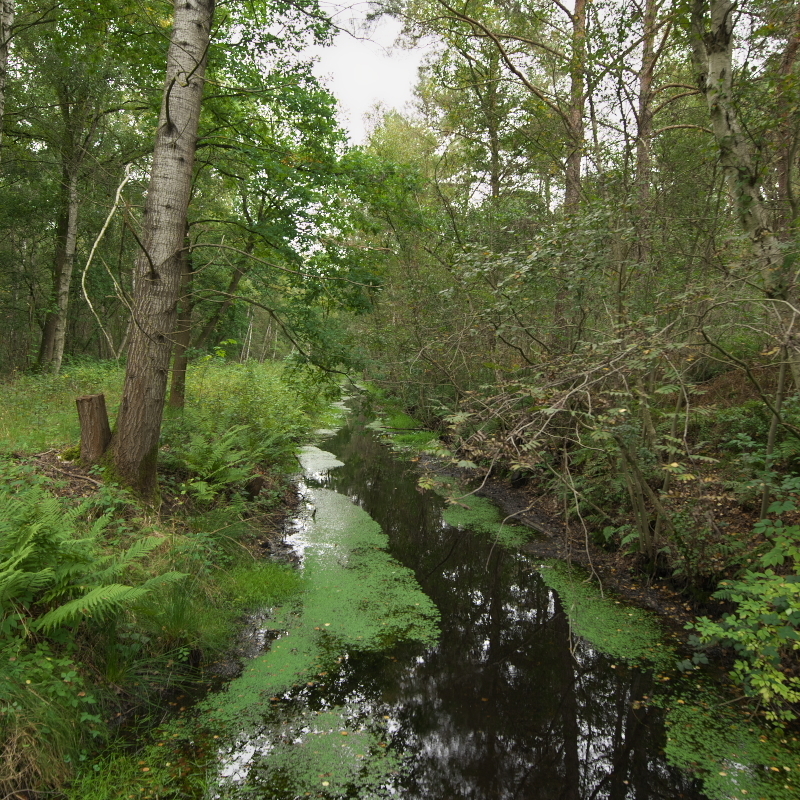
(55, 581)
(764, 627)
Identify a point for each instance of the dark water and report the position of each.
(509, 705)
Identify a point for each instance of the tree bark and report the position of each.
(786, 134)
(95, 430)
(577, 101)
(211, 324)
(6, 25)
(158, 265)
(644, 133)
(712, 50)
(177, 387)
(65, 276)
(51, 348)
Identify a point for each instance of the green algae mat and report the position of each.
(357, 599)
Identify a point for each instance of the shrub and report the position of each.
(764, 629)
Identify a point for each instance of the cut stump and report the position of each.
(95, 430)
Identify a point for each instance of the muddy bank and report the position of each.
(615, 572)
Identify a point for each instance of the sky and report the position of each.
(363, 69)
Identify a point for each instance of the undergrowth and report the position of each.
(108, 608)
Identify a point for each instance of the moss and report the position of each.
(71, 453)
(623, 632)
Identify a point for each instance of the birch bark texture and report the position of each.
(712, 50)
(7, 8)
(158, 267)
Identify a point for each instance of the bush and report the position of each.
(764, 629)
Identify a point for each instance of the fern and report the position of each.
(50, 561)
(101, 602)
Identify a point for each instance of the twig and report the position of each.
(91, 256)
(74, 475)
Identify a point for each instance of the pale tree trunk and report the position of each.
(158, 266)
(645, 127)
(6, 25)
(786, 133)
(577, 101)
(712, 47)
(51, 349)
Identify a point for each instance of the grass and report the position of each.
(64, 690)
(37, 412)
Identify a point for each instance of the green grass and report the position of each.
(63, 697)
(38, 413)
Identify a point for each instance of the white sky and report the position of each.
(362, 69)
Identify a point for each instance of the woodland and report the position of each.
(575, 260)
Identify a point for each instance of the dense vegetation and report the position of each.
(107, 609)
(575, 259)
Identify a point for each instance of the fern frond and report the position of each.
(101, 602)
(15, 582)
(98, 603)
(134, 553)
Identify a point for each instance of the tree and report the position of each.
(158, 269)
(712, 27)
(6, 25)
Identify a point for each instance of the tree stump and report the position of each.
(95, 430)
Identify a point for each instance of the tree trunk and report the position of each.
(51, 349)
(787, 134)
(214, 319)
(6, 24)
(95, 430)
(577, 100)
(712, 50)
(158, 265)
(644, 133)
(177, 387)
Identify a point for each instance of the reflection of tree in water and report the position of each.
(508, 705)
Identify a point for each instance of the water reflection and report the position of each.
(509, 705)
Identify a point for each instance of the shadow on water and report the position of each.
(509, 704)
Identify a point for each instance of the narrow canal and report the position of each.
(508, 704)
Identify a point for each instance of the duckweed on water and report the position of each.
(480, 515)
(623, 632)
(357, 598)
(320, 753)
(734, 755)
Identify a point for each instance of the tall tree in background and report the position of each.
(6, 25)
(713, 43)
(159, 264)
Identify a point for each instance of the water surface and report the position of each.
(509, 704)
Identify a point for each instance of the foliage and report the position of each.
(764, 629)
(55, 578)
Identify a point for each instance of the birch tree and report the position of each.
(712, 25)
(159, 264)
(6, 25)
